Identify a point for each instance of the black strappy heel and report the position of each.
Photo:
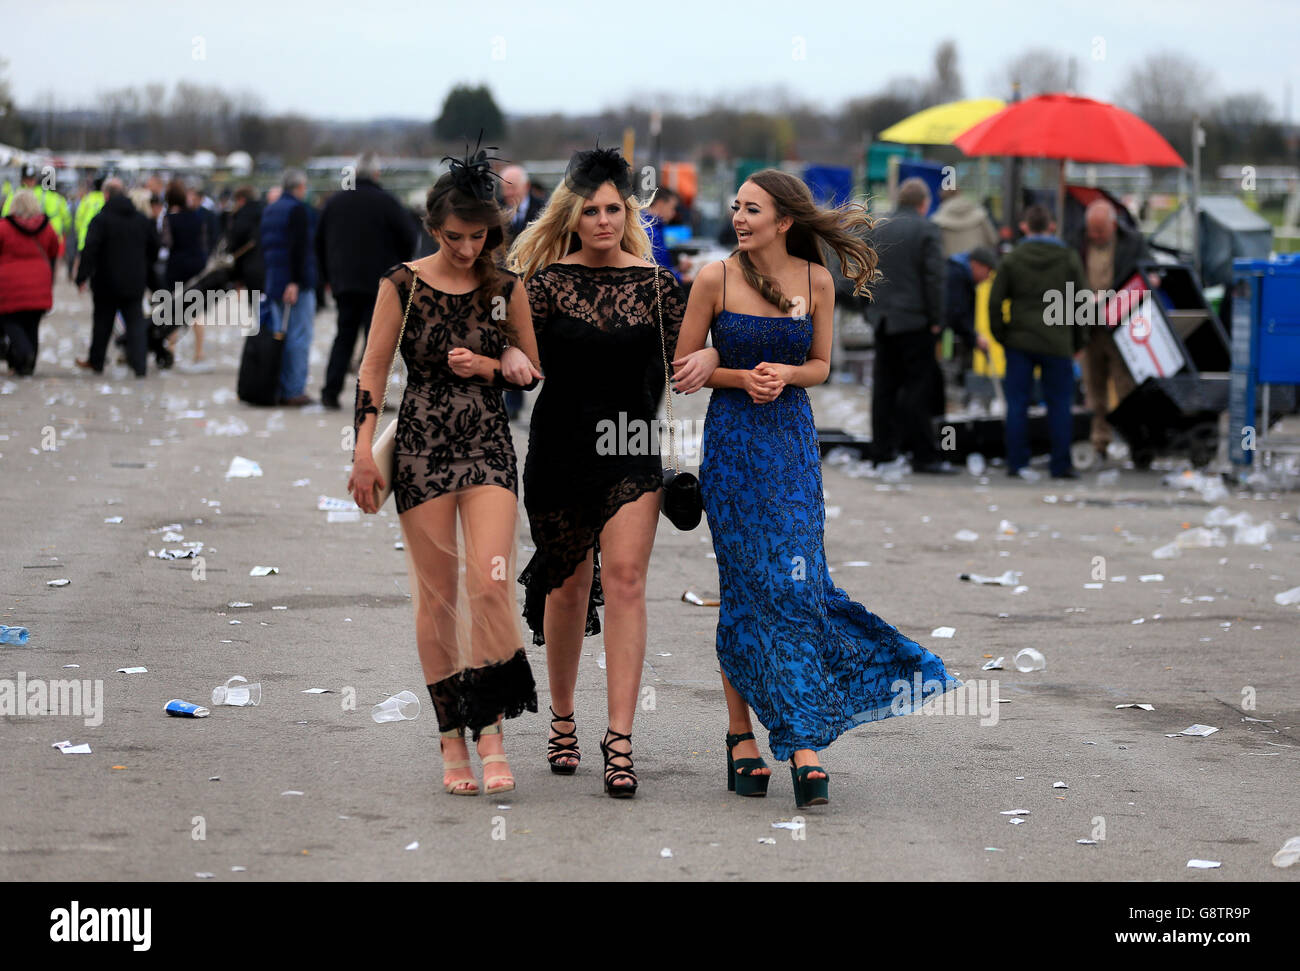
(741, 777)
(613, 771)
(563, 745)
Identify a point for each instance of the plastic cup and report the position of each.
(403, 706)
(1030, 660)
(1288, 854)
(237, 695)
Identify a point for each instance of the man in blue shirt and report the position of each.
(660, 212)
(291, 282)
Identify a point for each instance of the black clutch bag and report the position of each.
(681, 500)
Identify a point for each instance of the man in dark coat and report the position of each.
(363, 231)
(121, 246)
(1110, 254)
(243, 238)
(907, 314)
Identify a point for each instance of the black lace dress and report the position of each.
(452, 436)
(600, 347)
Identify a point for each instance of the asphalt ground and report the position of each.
(308, 787)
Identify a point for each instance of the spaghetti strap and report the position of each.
(724, 283)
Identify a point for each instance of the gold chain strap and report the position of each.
(383, 399)
(668, 381)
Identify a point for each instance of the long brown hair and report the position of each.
(444, 200)
(815, 230)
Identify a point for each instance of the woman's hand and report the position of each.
(364, 480)
(779, 375)
(694, 369)
(761, 386)
(461, 361)
(516, 368)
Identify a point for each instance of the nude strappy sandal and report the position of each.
(461, 787)
(505, 784)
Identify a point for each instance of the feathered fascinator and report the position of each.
(473, 174)
(590, 169)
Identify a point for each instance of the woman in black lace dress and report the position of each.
(454, 455)
(593, 470)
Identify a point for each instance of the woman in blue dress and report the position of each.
(796, 649)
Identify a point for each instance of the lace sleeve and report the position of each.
(539, 301)
(674, 298)
(381, 346)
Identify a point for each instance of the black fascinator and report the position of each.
(590, 169)
(473, 174)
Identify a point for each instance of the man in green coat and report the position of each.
(1044, 282)
(87, 209)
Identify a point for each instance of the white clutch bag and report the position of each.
(385, 455)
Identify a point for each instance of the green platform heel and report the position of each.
(740, 772)
(810, 792)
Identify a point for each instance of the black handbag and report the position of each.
(259, 365)
(681, 500)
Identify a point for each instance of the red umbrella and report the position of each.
(1067, 127)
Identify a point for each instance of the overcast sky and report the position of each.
(356, 60)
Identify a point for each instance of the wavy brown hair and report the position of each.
(444, 200)
(815, 230)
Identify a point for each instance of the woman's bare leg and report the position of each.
(487, 517)
(564, 626)
(738, 723)
(625, 545)
(429, 532)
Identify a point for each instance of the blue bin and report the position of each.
(1275, 316)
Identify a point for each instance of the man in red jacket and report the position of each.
(29, 247)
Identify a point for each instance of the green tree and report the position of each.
(467, 110)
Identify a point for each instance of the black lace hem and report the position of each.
(476, 697)
(562, 545)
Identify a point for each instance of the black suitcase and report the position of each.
(259, 365)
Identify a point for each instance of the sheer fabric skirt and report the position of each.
(460, 555)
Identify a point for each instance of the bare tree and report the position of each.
(946, 84)
(1166, 88)
(1039, 70)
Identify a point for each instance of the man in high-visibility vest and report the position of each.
(52, 204)
(87, 209)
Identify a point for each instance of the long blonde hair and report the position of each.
(554, 233)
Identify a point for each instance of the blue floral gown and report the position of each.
(810, 661)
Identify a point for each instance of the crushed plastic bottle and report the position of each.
(13, 635)
(237, 695)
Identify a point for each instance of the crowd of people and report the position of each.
(931, 270)
(291, 250)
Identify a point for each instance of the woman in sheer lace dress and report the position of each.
(466, 332)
